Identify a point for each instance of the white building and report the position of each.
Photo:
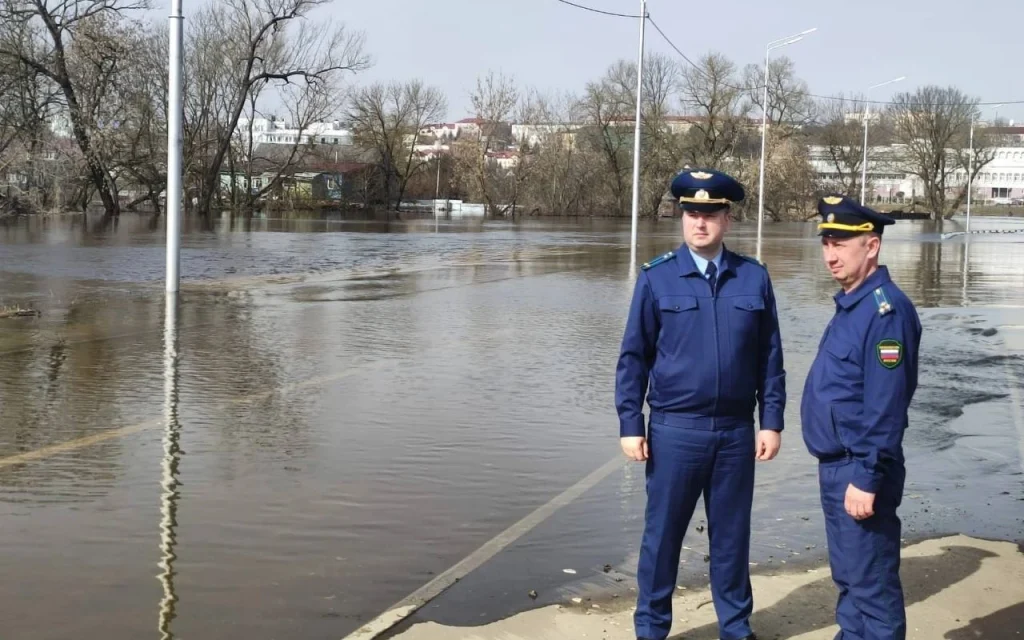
(275, 130)
(1001, 181)
(452, 130)
(533, 134)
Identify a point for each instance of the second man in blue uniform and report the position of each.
(702, 347)
(854, 412)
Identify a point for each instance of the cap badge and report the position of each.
(701, 175)
(832, 200)
(831, 217)
(701, 195)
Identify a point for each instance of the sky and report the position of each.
(977, 46)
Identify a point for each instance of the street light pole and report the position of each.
(636, 133)
(864, 161)
(174, 142)
(970, 170)
(781, 42)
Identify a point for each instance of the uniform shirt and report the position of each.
(699, 357)
(859, 388)
(702, 263)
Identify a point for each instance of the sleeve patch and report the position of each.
(890, 353)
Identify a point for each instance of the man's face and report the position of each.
(849, 259)
(703, 230)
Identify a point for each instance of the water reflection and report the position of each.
(169, 466)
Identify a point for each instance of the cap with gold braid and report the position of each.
(843, 217)
(705, 190)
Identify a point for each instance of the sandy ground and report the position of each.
(957, 588)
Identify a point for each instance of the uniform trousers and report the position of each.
(864, 556)
(685, 463)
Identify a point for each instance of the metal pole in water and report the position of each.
(970, 184)
(636, 133)
(174, 145)
(864, 161)
(774, 44)
(764, 134)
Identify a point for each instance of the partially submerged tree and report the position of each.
(71, 43)
(253, 46)
(389, 119)
(933, 127)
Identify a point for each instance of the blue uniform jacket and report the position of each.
(859, 388)
(701, 358)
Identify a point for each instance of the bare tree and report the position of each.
(136, 148)
(933, 125)
(606, 109)
(789, 111)
(610, 106)
(712, 96)
(485, 158)
(65, 41)
(790, 106)
(390, 119)
(565, 176)
(264, 43)
(838, 141)
(27, 100)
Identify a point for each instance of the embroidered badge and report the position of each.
(701, 175)
(832, 200)
(890, 353)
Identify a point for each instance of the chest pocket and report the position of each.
(680, 323)
(676, 304)
(842, 351)
(748, 303)
(744, 316)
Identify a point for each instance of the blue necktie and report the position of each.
(711, 272)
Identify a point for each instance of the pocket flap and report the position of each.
(677, 303)
(750, 303)
(841, 350)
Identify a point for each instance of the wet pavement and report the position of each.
(343, 410)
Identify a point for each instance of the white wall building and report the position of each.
(1001, 181)
(451, 130)
(278, 131)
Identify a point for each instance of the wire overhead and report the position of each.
(593, 10)
(729, 86)
(806, 93)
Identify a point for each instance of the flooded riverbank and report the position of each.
(349, 408)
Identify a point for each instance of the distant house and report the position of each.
(337, 182)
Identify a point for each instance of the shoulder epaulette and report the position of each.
(884, 306)
(665, 257)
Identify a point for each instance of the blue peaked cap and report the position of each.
(705, 190)
(844, 217)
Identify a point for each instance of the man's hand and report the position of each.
(768, 443)
(635, 448)
(859, 504)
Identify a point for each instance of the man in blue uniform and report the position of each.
(854, 412)
(702, 347)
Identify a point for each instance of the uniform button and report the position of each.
(677, 307)
(750, 306)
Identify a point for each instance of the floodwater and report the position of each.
(338, 411)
